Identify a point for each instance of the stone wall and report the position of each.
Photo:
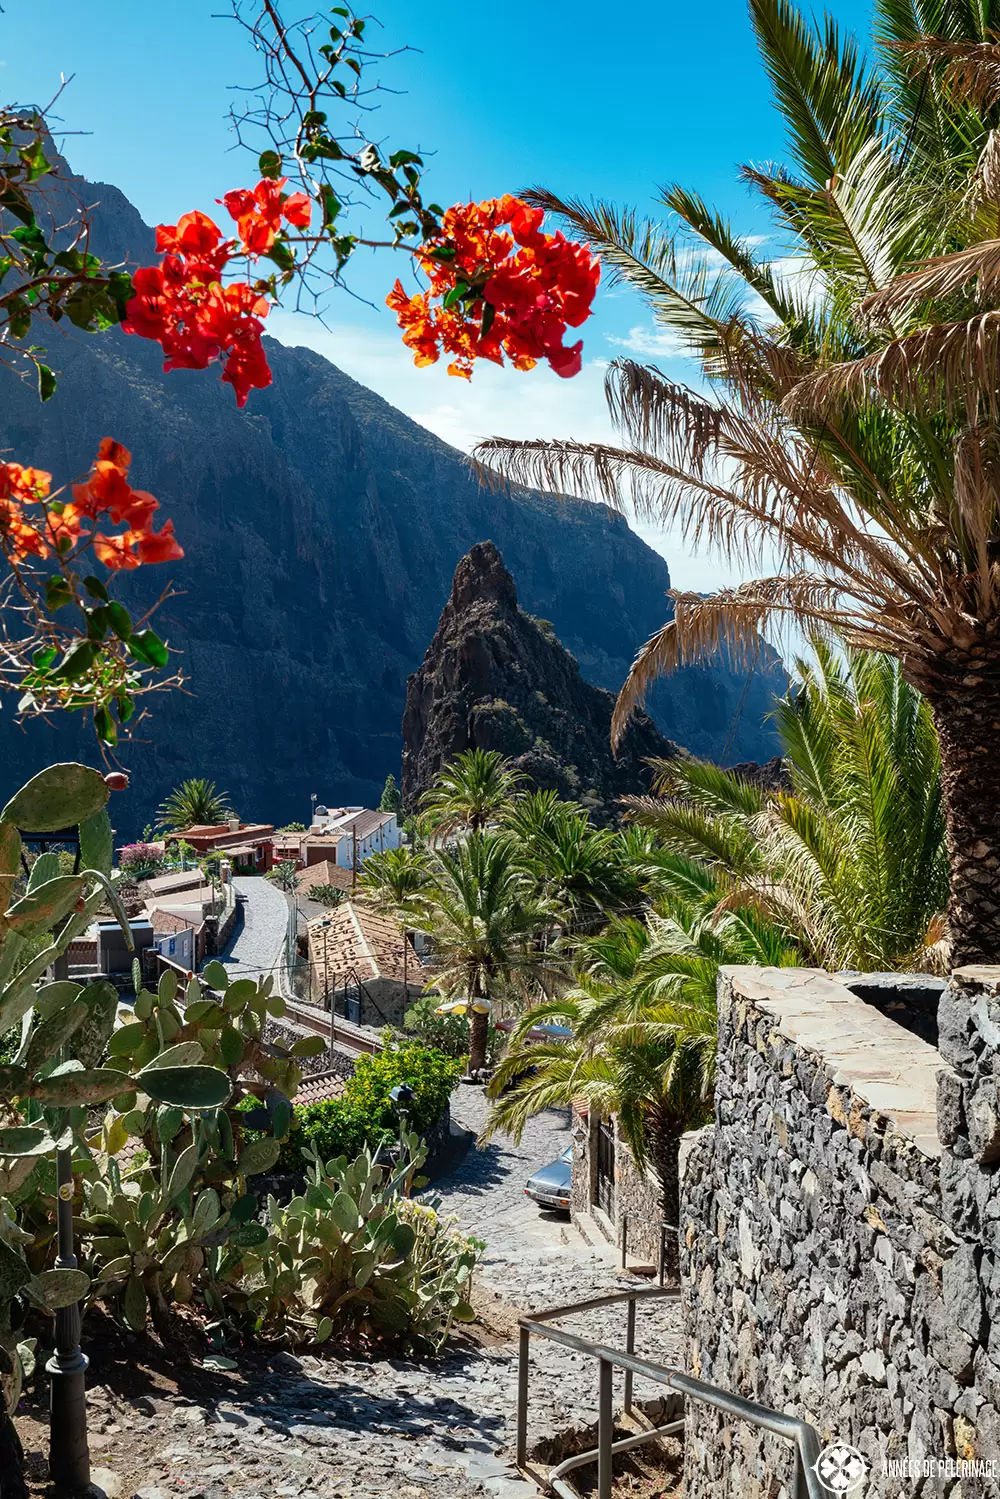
(842, 1233)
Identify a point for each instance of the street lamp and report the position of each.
(69, 1452)
(402, 1096)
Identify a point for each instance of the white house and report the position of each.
(350, 834)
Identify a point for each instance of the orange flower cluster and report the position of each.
(258, 214)
(494, 293)
(104, 498)
(182, 302)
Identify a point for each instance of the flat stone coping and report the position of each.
(885, 1066)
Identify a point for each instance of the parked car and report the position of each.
(550, 1185)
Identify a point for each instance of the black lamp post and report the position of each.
(69, 1452)
(402, 1096)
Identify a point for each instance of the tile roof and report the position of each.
(320, 1086)
(361, 939)
(323, 873)
(363, 824)
(167, 884)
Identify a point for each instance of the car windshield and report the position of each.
(567, 1154)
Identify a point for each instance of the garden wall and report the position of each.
(842, 1233)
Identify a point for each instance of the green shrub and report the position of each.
(364, 1114)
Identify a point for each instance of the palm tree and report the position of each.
(484, 920)
(578, 868)
(643, 1022)
(852, 418)
(470, 792)
(194, 803)
(392, 879)
(850, 860)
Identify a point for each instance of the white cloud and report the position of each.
(651, 340)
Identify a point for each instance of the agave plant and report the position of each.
(850, 416)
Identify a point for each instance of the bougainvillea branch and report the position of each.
(497, 287)
(64, 641)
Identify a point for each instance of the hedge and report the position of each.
(364, 1113)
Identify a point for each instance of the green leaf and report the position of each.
(248, 1235)
(105, 726)
(25, 1140)
(230, 1046)
(96, 588)
(52, 1289)
(269, 164)
(344, 1212)
(258, 1156)
(219, 1362)
(39, 909)
(147, 647)
(134, 1304)
(215, 975)
(119, 619)
(97, 844)
(57, 593)
(183, 1172)
(46, 1039)
(46, 383)
(309, 1046)
(57, 798)
(77, 661)
(126, 1038)
(184, 1054)
(187, 1087)
(88, 1085)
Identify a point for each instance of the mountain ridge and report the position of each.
(321, 528)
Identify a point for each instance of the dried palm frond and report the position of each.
(972, 68)
(950, 367)
(729, 621)
(940, 277)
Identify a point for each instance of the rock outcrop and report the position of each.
(496, 678)
(321, 529)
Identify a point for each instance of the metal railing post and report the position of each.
(629, 1348)
(663, 1253)
(523, 1353)
(624, 1240)
(605, 1426)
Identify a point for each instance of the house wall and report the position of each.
(635, 1192)
(841, 1254)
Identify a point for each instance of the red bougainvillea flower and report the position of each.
(499, 287)
(258, 213)
(183, 305)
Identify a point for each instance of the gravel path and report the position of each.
(259, 934)
(309, 1428)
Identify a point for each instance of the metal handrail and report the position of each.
(803, 1436)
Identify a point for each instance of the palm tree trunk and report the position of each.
(664, 1148)
(478, 1036)
(967, 718)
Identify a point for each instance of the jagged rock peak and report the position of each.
(481, 577)
(496, 678)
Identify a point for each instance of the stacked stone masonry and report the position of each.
(842, 1235)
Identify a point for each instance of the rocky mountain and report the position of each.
(321, 528)
(496, 678)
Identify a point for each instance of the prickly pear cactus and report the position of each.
(354, 1255)
(172, 1225)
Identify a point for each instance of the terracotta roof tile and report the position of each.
(359, 938)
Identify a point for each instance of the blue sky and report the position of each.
(558, 92)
